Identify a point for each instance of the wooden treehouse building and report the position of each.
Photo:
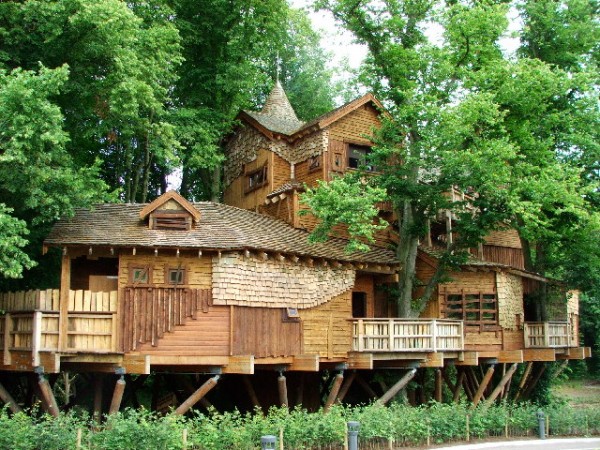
(235, 292)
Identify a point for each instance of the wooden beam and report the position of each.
(98, 386)
(335, 390)
(282, 389)
(251, 392)
(438, 385)
(9, 400)
(534, 380)
(48, 396)
(523, 380)
(459, 383)
(433, 360)
(65, 286)
(501, 385)
(539, 354)
(397, 387)
(243, 364)
(197, 395)
(115, 403)
(484, 383)
(510, 356)
(345, 387)
(465, 382)
(467, 359)
(447, 380)
(360, 361)
(305, 363)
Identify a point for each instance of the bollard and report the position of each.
(541, 424)
(353, 428)
(268, 442)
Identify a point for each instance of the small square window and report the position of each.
(140, 275)
(314, 163)
(176, 276)
(256, 179)
(358, 156)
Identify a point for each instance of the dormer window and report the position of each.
(170, 220)
(170, 211)
(256, 179)
(358, 157)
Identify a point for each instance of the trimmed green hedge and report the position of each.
(403, 425)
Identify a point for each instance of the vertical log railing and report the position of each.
(148, 313)
(556, 334)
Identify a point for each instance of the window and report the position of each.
(479, 309)
(256, 179)
(358, 157)
(359, 304)
(290, 315)
(175, 276)
(139, 275)
(314, 163)
(171, 220)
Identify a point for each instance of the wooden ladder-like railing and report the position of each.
(148, 313)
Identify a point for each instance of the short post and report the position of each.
(541, 424)
(268, 442)
(353, 428)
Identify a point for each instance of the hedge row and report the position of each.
(435, 423)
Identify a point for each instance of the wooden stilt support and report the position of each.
(47, 395)
(484, 383)
(282, 388)
(534, 380)
(300, 392)
(501, 385)
(335, 390)
(197, 395)
(9, 400)
(98, 385)
(447, 380)
(397, 387)
(467, 385)
(115, 403)
(251, 392)
(438, 385)
(365, 386)
(472, 379)
(523, 381)
(345, 387)
(459, 384)
(560, 369)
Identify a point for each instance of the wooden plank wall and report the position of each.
(504, 238)
(199, 270)
(327, 329)
(234, 195)
(424, 272)
(364, 283)
(282, 210)
(263, 332)
(355, 125)
(281, 171)
(503, 255)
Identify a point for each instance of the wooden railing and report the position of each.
(407, 335)
(31, 322)
(148, 313)
(548, 335)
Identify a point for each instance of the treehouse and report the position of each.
(236, 290)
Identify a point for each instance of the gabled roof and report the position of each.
(278, 115)
(223, 227)
(170, 195)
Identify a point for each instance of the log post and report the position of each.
(47, 395)
(282, 388)
(251, 391)
(115, 403)
(98, 385)
(9, 400)
(300, 392)
(345, 387)
(483, 385)
(560, 369)
(523, 381)
(438, 385)
(534, 381)
(501, 385)
(63, 317)
(447, 380)
(459, 383)
(397, 387)
(196, 396)
(335, 390)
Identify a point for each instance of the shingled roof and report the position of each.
(221, 227)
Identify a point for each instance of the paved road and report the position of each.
(538, 444)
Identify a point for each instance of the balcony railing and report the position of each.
(548, 335)
(407, 335)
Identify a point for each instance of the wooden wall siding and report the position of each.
(235, 194)
(485, 340)
(384, 304)
(282, 210)
(305, 175)
(513, 340)
(509, 290)
(471, 282)
(354, 126)
(504, 238)
(242, 149)
(199, 270)
(208, 334)
(251, 281)
(308, 221)
(148, 313)
(424, 272)
(47, 300)
(327, 329)
(281, 171)
(262, 332)
(503, 255)
(311, 145)
(364, 283)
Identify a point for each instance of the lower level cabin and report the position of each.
(173, 287)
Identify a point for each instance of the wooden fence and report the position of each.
(407, 335)
(548, 335)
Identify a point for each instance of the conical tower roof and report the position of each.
(277, 114)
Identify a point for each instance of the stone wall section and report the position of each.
(510, 300)
(251, 281)
(241, 150)
(312, 145)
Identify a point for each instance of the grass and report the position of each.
(579, 393)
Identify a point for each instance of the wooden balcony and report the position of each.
(407, 335)
(31, 322)
(549, 335)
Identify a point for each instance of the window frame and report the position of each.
(463, 305)
(184, 275)
(138, 267)
(365, 149)
(248, 187)
(315, 163)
